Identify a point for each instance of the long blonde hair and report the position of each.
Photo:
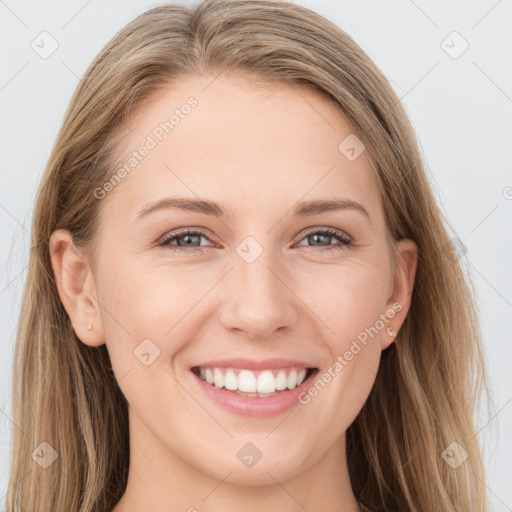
(430, 380)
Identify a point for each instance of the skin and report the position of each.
(257, 152)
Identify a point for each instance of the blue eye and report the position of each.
(344, 239)
(190, 237)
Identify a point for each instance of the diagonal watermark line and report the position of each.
(165, 165)
(13, 422)
(420, 80)
(126, 373)
(13, 218)
(84, 83)
(490, 490)
(198, 402)
(2, 2)
(198, 301)
(213, 79)
(285, 7)
(286, 491)
(14, 487)
(79, 79)
(424, 14)
(14, 76)
(492, 81)
(296, 89)
(307, 192)
(389, 109)
(485, 15)
(406, 174)
(494, 288)
(13, 279)
(75, 15)
(280, 423)
(221, 482)
(492, 419)
(493, 210)
(301, 300)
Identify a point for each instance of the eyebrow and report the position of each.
(206, 207)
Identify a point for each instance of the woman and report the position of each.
(241, 292)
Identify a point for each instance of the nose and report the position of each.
(259, 300)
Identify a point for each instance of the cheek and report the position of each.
(350, 306)
(153, 307)
(347, 298)
(138, 295)
(137, 305)
(350, 299)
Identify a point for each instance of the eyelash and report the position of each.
(346, 241)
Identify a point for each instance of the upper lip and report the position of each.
(254, 365)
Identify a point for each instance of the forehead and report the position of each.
(238, 143)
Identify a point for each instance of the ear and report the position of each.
(76, 288)
(399, 301)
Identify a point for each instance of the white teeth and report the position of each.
(231, 381)
(266, 382)
(218, 378)
(301, 376)
(292, 380)
(281, 381)
(249, 383)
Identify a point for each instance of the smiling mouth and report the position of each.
(262, 384)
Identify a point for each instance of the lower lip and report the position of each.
(254, 406)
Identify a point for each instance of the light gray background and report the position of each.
(461, 109)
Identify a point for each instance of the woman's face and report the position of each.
(266, 285)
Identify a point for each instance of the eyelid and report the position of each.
(183, 231)
(334, 231)
(345, 239)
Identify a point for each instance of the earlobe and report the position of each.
(75, 286)
(403, 284)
